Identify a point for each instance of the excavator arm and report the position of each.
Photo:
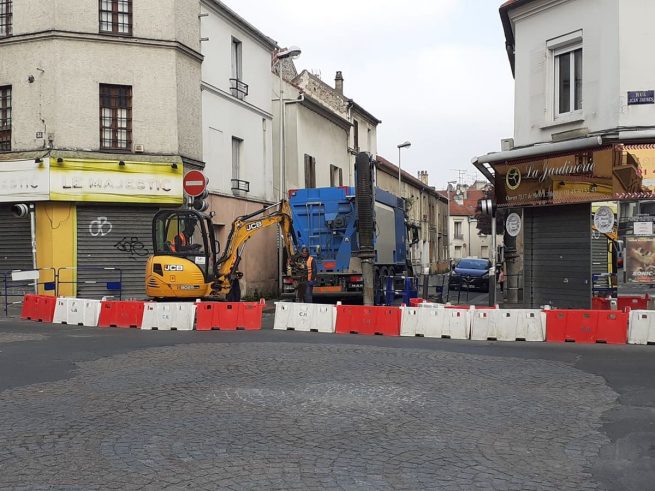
(243, 228)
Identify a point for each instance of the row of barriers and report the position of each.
(471, 323)
(422, 320)
(158, 316)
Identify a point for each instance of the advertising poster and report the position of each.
(640, 260)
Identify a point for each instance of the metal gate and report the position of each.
(113, 237)
(557, 242)
(15, 240)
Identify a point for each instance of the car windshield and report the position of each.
(473, 264)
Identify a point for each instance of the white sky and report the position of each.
(434, 71)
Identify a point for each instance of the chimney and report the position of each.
(338, 82)
(423, 176)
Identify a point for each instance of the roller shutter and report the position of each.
(15, 240)
(558, 256)
(113, 237)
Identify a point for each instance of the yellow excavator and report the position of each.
(186, 263)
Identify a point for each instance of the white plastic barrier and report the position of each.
(642, 327)
(77, 312)
(508, 325)
(435, 322)
(305, 317)
(178, 316)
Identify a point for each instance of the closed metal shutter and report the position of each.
(558, 256)
(599, 254)
(15, 241)
(113, 237)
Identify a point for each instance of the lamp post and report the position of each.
(407, 144)
(290, 52)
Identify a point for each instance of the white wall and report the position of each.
(538, 22)
(225, 116)
(472, 244)
(637, 72)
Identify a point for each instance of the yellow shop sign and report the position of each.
(116, 181)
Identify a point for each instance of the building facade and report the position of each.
(584, 132)
(465, 238)
(237, 134)
(427, 214)
(100, 114)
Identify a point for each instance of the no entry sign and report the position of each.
(194, 183)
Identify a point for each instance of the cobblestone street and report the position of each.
(282, 410)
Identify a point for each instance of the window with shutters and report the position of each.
(115, 117)
(310, 171)
(5, 18)
(5, 118)
(236, 157)
(356, 135)
(116, 17)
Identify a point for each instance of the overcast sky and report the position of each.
(434, 71)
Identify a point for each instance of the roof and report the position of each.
(242, 23)
(386, 165)
(507, 27)
(469, 205)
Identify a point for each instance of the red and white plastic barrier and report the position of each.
(361, 319)
(174, 316)
(307, 317)
(229, 316)
(77, 312)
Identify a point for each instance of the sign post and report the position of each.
(194, 183)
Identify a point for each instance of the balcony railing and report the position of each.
(238, 88)
(240, 186)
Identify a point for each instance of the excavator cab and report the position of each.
(184, 261)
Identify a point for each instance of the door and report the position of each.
(558, 256)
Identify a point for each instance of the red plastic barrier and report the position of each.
(587, 326)
(600, 303)
(38, 308)
(413, 302)
(635, 302)
(229, 316)
(28, 311)
(117, 313)
(358, 319)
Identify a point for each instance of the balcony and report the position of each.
(239, 187)
(238, 88)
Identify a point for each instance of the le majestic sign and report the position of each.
(600, 175)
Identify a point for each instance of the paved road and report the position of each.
(86, 408)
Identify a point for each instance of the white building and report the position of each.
(323, 131)
(584, 132)
(237, 129)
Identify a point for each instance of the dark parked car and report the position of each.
(470, 273)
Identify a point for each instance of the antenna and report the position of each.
(460, 174)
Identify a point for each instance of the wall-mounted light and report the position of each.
(121, 163)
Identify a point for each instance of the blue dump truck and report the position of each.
(325, 220)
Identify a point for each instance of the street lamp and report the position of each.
(407, 144)
(448, 222)
(290, 52)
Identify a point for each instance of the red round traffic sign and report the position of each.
(194, 183)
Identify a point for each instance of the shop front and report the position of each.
(92, 221)
(564, 251)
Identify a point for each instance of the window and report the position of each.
(236, 156)
(5, 118)
(116, 17)
(458, 252)
(336, 176)
(238, 88)
(356, 135)
(115, 117)
(369, 146)
(568, 81)
(310, 171)
(458, 230)
(484, 251)
(5, 18)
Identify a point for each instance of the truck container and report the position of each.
(325, 220)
